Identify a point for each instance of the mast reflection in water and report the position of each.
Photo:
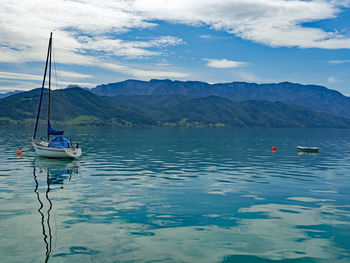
(57, 171)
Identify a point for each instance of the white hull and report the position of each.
(51, 152)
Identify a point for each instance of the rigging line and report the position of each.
(52, 55)
(54, 65)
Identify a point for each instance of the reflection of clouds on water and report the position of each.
(286, 230)
(275, 236)
(309, 199)
(270, 231)
(325, 191)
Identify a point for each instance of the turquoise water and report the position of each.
(177, 195)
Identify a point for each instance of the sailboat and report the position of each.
(58, 146)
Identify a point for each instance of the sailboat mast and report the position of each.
(42, 88)
(49, 100)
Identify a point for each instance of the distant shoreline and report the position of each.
(15, 123)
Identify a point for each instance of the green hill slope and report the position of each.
(177, 110)
(75, 105)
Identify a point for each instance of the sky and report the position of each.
(104, 41)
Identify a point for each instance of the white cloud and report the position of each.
(24, 36)
(24, 28)
(212, 37)
(74, 75)
(8, 76)
(246, 76)
(224, 63)
(144, 73)
(148, 74)
(129, 49)
(21, 76)
(333, 80)
(338, 61)
(63, 84)
(206, 36)
(8, 85)
(273, 23)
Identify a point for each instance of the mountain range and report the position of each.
(82, 107)
(315, 97)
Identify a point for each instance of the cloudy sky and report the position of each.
(103, 41)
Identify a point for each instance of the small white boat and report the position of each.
(308, 149)
(58, 146)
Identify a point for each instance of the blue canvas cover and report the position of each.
(59, 142)
(53, 131)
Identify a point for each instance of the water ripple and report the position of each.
(178, 195)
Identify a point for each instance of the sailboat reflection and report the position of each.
(55, 173)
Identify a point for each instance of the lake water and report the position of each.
(177, 195)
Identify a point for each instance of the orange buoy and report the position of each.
(19, 152)
(274, 148)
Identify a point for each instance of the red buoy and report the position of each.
(19, 152)
(274, 148)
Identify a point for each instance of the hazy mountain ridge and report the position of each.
(6, 94)
(315, 97)
(69, 104)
